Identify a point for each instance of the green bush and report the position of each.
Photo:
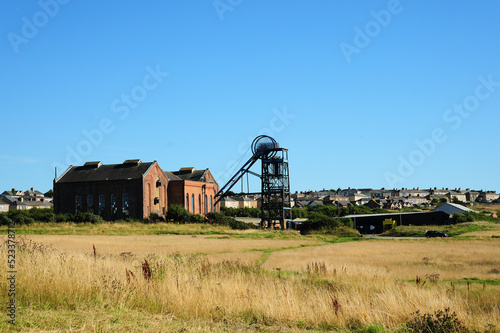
(4, 219)
(324, 223)
(20, 216)
(471, 217)
(195, 218)
(177, 213)
(154, 218)
(460, 218)
(439, 322)
(60, 218)
(43, 214)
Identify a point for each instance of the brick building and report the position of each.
(193, 189)
(132, 189)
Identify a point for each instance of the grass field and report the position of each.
(221, 280)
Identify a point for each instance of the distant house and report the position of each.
(373, 204)
(4, 205)
(229, 202)
(349, 191)
(303, 201)
(19, 200)
(13, 193)
(450, 208)
(462, 197)
(380, 194)
(247, 202)
(471, 196)
(21, 204)
(359, 198)
(487, 196)
(439, 192)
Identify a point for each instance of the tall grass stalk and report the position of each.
(347, 296)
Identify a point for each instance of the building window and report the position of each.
(125, 209)
(150, 201)
(211, 205)
(78, 204)
(199, 204)
(114, 207)
(192, 202)
(187, 202)
(102, 204)
(205, 205)
(90, 202)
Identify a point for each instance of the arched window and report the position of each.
(187, 202)
(205, 205)
(114, 207)
(125, 209)
(90, 203)
(102, 204)
(78, 204)
(199, 204)
(192, 201)
(211, 205)
(150, 195)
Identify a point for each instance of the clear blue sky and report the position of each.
(362, 93)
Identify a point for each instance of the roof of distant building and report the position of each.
(190, 174)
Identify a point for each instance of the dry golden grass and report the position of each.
(141, 245)
(482, 234)
(349, 286)
(451, 259)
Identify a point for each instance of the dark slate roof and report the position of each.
(194, 175)
(171, 176)
(89, 173)
(4, 201)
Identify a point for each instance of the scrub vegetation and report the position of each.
(218, 279)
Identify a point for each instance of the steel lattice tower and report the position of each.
(275, 179)
(275, 200)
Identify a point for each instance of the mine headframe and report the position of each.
(275, 180)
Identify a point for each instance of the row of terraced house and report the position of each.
(392, 198)
(24, 200)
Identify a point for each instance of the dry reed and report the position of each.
(319, 294)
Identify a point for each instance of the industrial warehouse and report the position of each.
(133, 189)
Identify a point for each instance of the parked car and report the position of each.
(435, 233)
